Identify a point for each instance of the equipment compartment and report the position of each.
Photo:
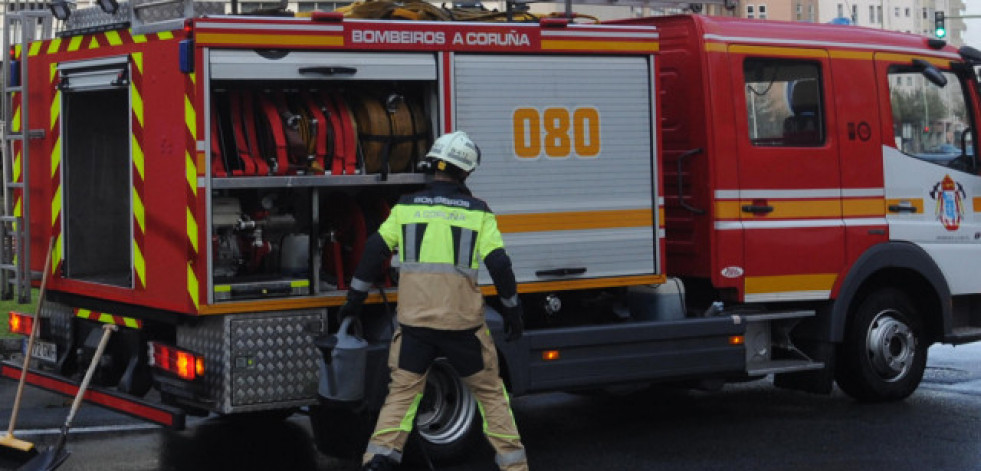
(302, 172)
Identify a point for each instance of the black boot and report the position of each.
(380, 463)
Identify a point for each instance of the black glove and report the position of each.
(352, 307)
(514, 326)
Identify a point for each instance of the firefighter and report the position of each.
(441, 233)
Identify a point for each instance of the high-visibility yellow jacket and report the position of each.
(441, 233)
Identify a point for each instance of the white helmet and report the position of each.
(456, 149)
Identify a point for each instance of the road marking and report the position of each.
(84, 430)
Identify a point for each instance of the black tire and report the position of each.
(262, 417)
(339, 430)
(448, 423)
(884, 351)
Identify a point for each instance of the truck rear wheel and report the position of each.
(447, 422)
(884, 353)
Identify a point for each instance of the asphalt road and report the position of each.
(750, 426)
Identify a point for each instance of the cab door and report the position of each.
(932, 182)
(789, 198)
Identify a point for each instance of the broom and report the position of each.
(10, 444)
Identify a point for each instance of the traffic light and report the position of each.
(940, 30)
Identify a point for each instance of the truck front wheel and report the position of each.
(884, 353)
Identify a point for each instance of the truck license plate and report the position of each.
(46, 351)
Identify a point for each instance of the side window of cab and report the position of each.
(932, 121)
(784, 103)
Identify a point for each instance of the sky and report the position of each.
(972, 35)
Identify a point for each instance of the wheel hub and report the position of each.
(447, 407)
(891, 346)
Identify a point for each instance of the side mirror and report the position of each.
(970, 54)
(933, 74)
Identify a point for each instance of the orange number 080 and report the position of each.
(556, 131)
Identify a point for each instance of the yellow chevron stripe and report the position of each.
(56, 156)
(192, 230)
(190, 118)
(137, 103)
(53, 46)
(16, 170)
(17, 209)
(107, 318)
(165, 35)
(139, 263)
(192, 286)
(113, 38)
(139, 212)
(56, 254)
(35, 48)
(191, 173)
(138, 38)
(55, 109)
(138, 60)
(56, 206)
(194, 78)
(74, 43)
(94, 43)
(17, 52)
(15, 125)
(138, 159)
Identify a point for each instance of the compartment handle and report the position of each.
(562, 271)
(329, 70)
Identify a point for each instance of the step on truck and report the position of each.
(687, 200)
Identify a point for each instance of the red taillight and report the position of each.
(19, 323)
(184, 364)
(189, 29)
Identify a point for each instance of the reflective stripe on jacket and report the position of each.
(442, 234)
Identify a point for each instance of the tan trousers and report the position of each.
(405, 393)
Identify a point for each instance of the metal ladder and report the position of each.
(24, 21)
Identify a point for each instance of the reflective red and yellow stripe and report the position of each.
(54, 129)
(191, 159)
(139, 172)
(107, 318)
(94, 41)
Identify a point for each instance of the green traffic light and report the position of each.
(941, 33)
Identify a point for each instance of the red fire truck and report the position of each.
(687, 199)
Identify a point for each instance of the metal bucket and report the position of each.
(342, 369)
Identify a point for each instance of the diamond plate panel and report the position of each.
(94, 17)
(60, 319)
(257, 361)
(274, 359)
(207, 338)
